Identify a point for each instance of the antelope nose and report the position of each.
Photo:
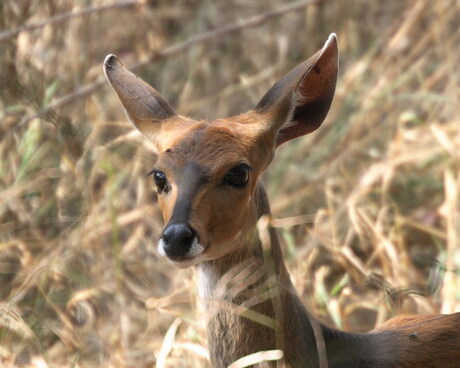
(177, 240)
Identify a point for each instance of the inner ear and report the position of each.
(312, 97)
(299, 102)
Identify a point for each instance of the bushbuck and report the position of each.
(209, 190)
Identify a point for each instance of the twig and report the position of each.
(66, 16)
(250, 22)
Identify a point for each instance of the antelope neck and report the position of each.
(257, 280)
(242, 278)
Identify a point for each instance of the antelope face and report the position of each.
(205, 176)
(206, 172)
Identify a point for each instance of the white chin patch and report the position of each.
(161, 248)
(196, 249)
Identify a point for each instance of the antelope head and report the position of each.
(207, 171)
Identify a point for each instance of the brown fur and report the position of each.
(250, 303)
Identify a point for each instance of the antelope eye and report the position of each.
(238, 176)
(159, 178)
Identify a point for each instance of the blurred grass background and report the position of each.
(367, 207)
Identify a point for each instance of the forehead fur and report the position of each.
(211, 144)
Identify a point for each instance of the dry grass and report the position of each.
(368, 207)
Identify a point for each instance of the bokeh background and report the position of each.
(367, 207)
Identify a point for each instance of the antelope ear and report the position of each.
(142, 103)
(298, 103)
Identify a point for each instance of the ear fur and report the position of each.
(143, 105)
(299, 102)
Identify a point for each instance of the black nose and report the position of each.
(177, 240)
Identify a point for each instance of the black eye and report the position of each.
(238, 176)
(159, 178)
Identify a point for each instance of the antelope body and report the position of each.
(207, 177)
